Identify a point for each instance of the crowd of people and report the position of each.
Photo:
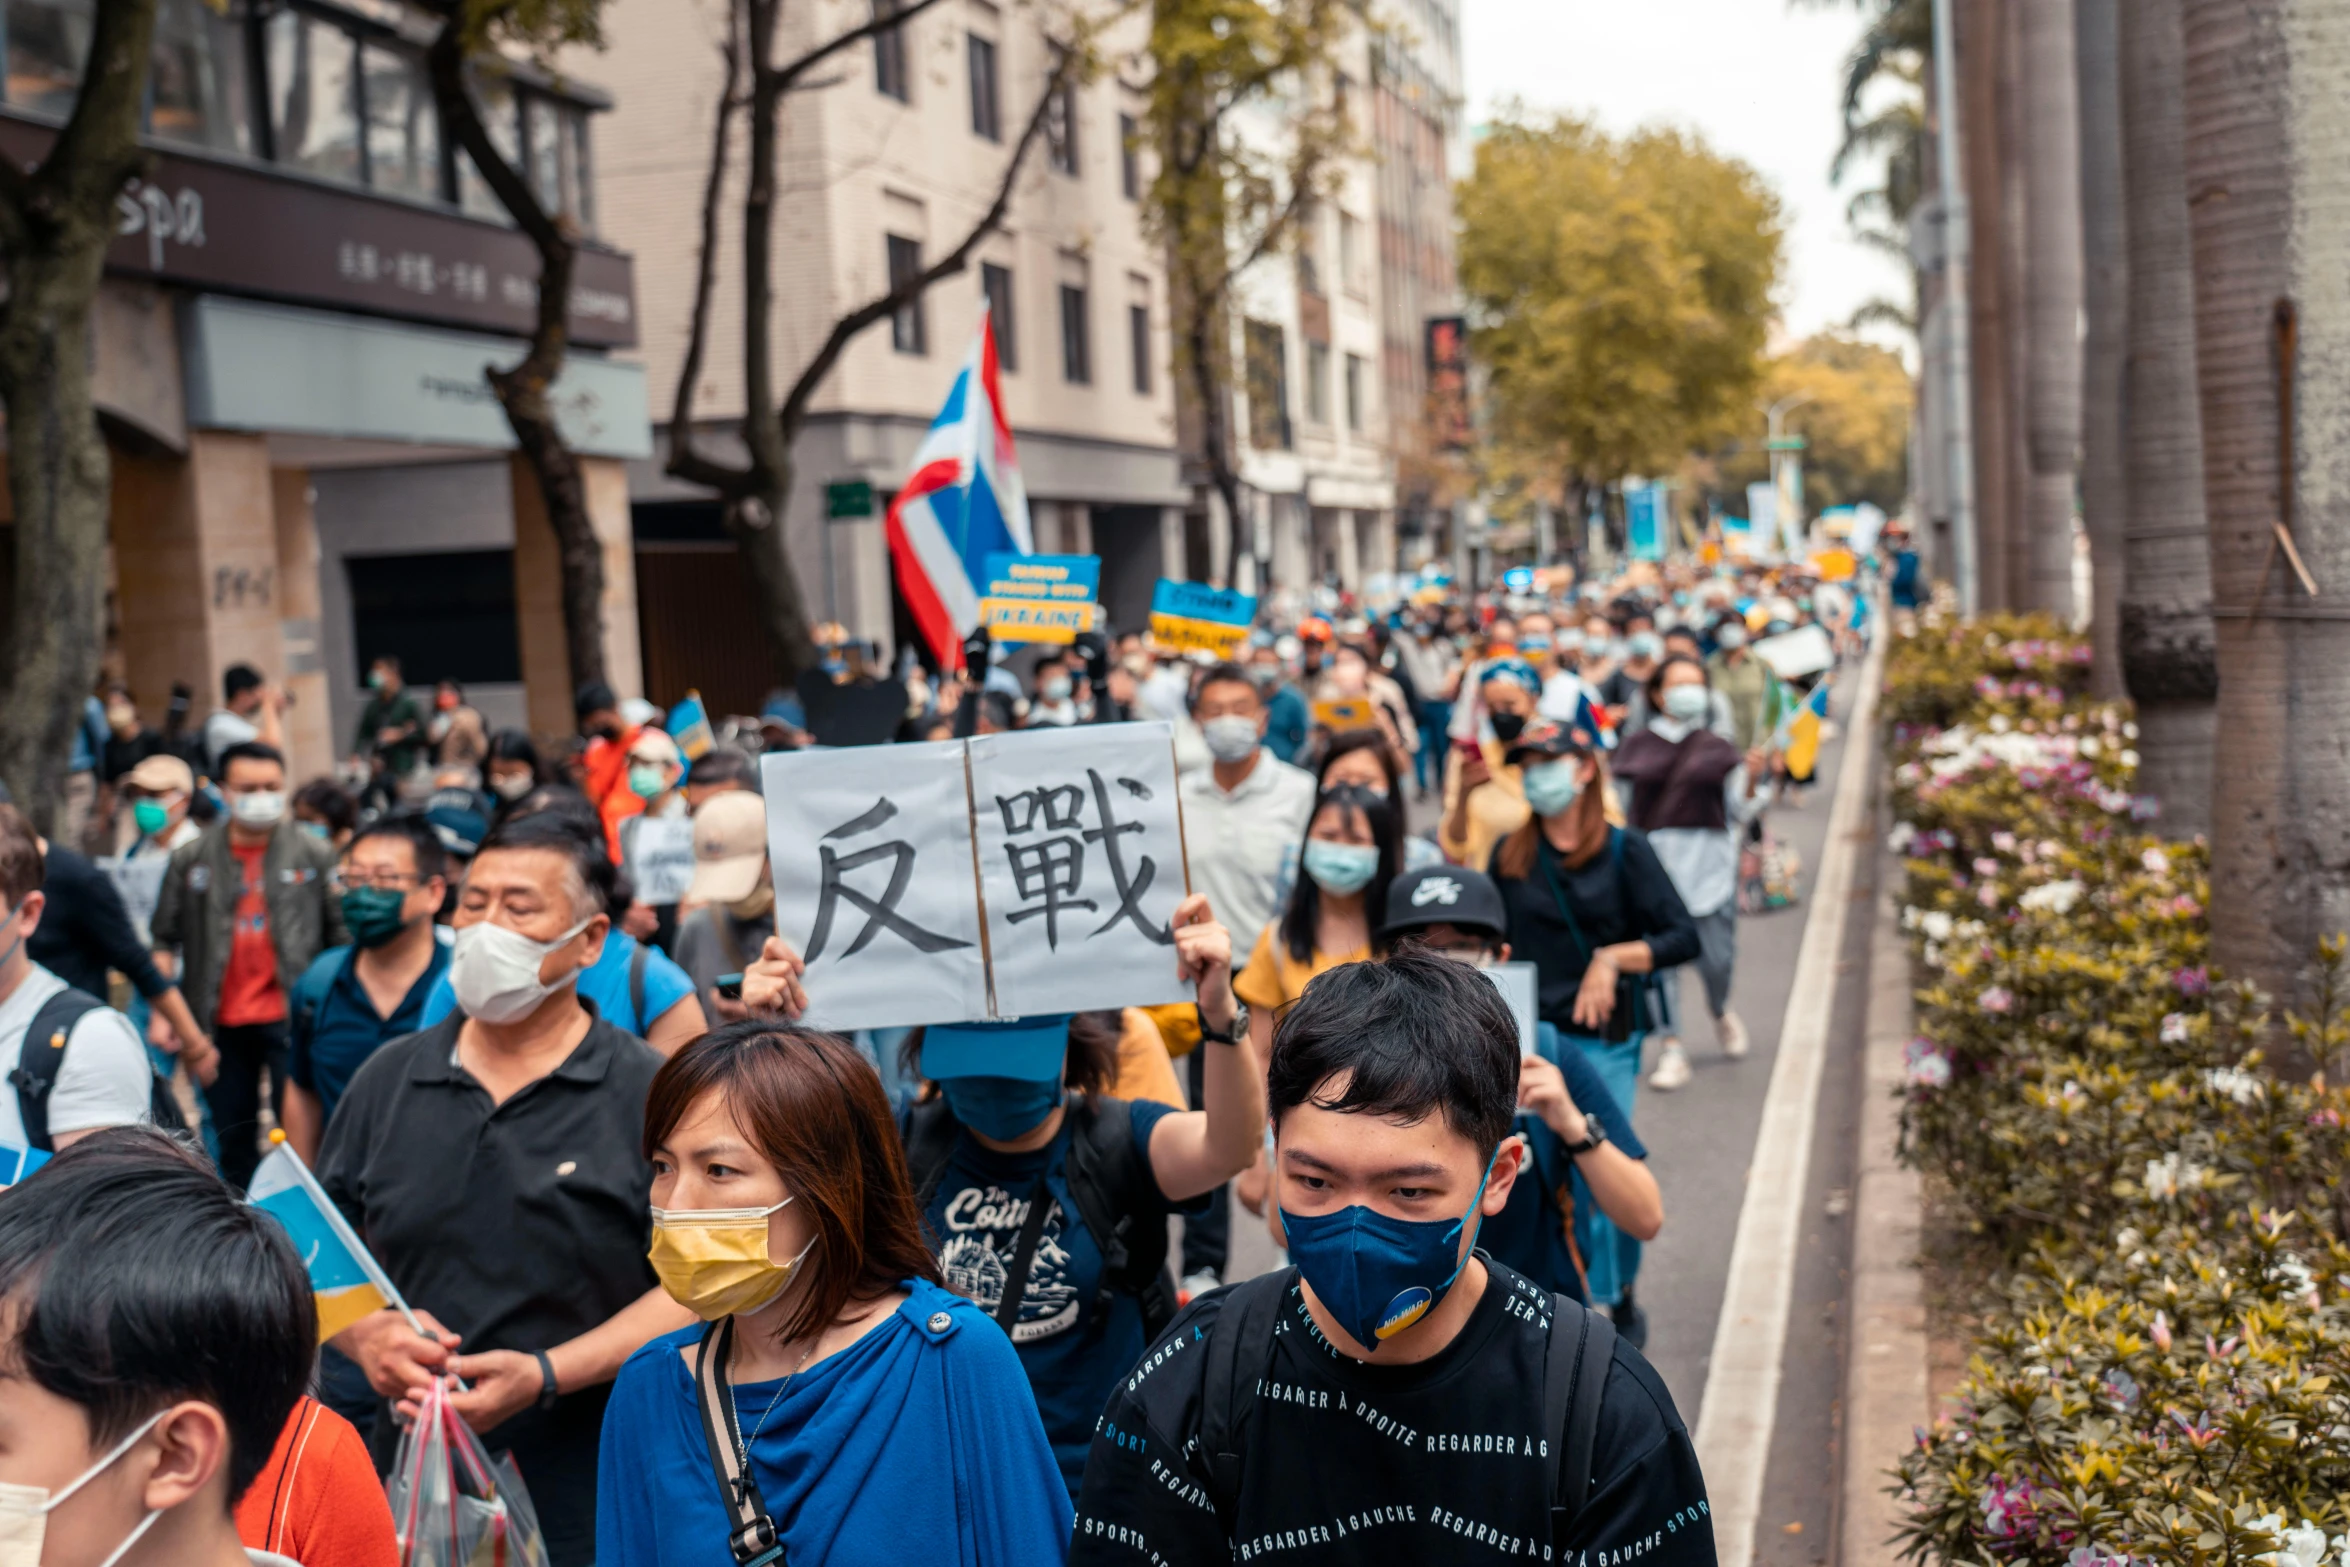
(714, 1280)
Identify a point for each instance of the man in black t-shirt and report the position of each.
(1395, 1403)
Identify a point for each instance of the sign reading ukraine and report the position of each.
(1040, 598)
(1188, 617)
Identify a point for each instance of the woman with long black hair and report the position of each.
(1353, 848)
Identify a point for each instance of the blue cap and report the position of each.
(1032, 1049)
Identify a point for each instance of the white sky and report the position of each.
(1762, 81)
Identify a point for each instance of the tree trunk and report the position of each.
(1980, 52)
(756, 522)
(2266, 96)
(2106, 257)
(55, 225)
(2051, 156)
(2166, 650)
(2016, 261)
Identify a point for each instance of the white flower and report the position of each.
(2172, 1174)
(2156, 862)
(2295, 1276)
(2088, 745)
(2174, 1028)
(2303, 1547)
(2057, 897)
(2236, 1083)
(1936, 924)
(1999, 723)
(1901, 837)
(2129, 759)
(2129, 731)
(2004, 842)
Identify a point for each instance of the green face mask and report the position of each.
(646, 780)
(373, 914)
(151, 816)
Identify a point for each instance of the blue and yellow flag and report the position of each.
(347, 1281)
(1803, 734)
(689, 726)
(17, 1163)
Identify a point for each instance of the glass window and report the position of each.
(1076, 342)
(313, 102)
(986, 116)
(495, 98)
(1138, 333)
(199, 92)
(1354, 393)
(582, 173)
(1129, 157)
(1318, 382)
(1060, 129)
(890, 77)
(47, 42)
(543, 126)
(909, 331)
(996, 283)
(403, 125)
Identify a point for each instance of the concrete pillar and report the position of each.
(1383, 556)
(1350, 551)
(309, 723)
(196, 569)
(538, 593)
(1219, 539)
(1290, 565)
(1171, 552)
(1076, 528)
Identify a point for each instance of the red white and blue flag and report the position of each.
(963, 502)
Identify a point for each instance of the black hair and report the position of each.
(1225, 673)
(996, 708)
(432, 858)
(1090, 1066)
(723, 764)
(1413, 1034)
(1348, 741)
(513, 745)
(1305, 897)
(1656, 677)
(560, 832)
(594, 697)
(138, 1280)
(325, 799)
(239, 679)
(251, 751)
(390, 661)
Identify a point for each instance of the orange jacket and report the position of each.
(318, 1500)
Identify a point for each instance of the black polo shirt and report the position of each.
(519, 1225)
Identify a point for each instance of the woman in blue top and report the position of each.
(885, 1420)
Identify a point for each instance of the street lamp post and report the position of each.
(1785, 451)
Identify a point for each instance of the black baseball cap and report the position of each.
(1444, 895)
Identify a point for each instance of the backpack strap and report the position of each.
(1239, 1350)
(1116, 1194)
(311, 990)
(638, 961)
(1575, 1372)
(41, 1056)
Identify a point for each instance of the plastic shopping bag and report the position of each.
(452, 1505)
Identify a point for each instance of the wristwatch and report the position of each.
(548, 1391)
(1593, 1135)
(1230, 1036)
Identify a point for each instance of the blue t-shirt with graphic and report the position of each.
(1074, 1343)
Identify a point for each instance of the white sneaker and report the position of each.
(1730, 1029)
(1672, 1068)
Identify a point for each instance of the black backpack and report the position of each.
(43, 1054)
(1241, 1348)
(1117, 1197)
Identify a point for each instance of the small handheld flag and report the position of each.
(348, 1282)
(18, 1163)
(1803, 734)
(689, 726)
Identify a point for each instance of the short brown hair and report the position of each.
(21, 863)
(814, 1109)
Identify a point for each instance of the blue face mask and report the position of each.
(1552, 786)
(1379, 1275)
(1341, 869)
(1004, 1108)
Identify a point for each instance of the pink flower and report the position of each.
(2195, 981)
(1996, 999)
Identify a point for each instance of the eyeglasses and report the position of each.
(388, 881)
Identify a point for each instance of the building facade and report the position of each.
(886, 167)
(309, 470)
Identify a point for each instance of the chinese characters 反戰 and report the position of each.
(880, 913)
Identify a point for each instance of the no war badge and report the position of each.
(1040, 598)
(1191, 617)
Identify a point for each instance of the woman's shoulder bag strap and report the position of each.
(751, 1535)
(1239, 1349)
(1582, 1348)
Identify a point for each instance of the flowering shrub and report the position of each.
(2163, 1371)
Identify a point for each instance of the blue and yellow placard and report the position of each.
(1191, 617)
(1040, 598)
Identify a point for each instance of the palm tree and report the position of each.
(1982, 52)
(2106, 269)
(2050, 155)
(2264, 84)
(2166, 576)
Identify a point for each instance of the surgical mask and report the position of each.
(510, 786)
(1645, 644)
(261, 809)
(1056, 690)
(1569, 644)
(1552, 786)
(1730, 636)
(318, 830)
(375, 680)
(1264, 676)
(1687, 703)
(152, 816)
(1378, 1275)
(495, 971)
(647, 779)
(1004, 1108)
(714, 1262)
(1230, 738)
(374, 915)
(25, 1509)
(1341, 869)
(1534, 642)
(1507, 726)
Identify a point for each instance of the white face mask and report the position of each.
(495, 973)
(262, 809)
(25, 1509)
(1230, 738)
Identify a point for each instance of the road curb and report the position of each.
(1886, 1392)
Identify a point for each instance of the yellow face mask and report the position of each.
(714, 1262)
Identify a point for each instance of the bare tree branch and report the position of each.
(684, 461)
(880, 24)
(795, 405)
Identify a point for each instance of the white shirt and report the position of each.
(1239, 844)
(224, 729)
(105, 1079)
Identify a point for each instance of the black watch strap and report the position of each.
(548, 1391)
(1593, 1135)
(1230, 1036)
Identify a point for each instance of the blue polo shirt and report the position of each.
(332, 1037)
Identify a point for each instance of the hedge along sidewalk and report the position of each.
(1887, 1394)
(1736, 1422)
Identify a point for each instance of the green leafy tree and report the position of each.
(1855, 426)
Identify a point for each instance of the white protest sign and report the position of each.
(871, 849)
(1081, 863)
(1793, 654)
(661, 857)
(1515, 981)
(139, 878)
